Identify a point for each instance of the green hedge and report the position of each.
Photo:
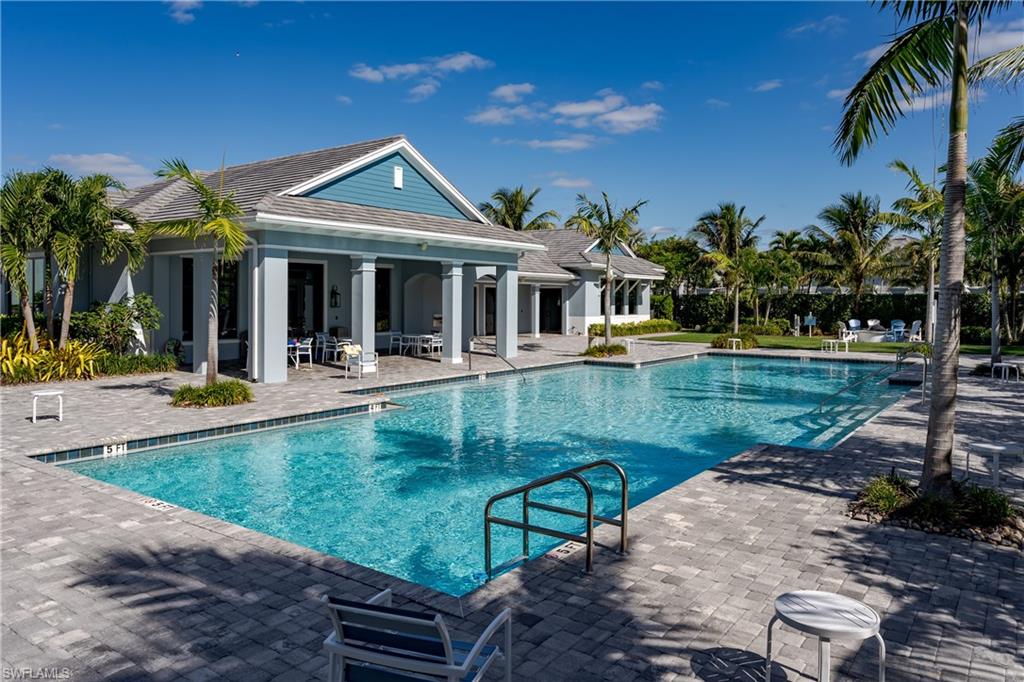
(599, 350)
(220, 394)
(662, 306)
(635, 328)
(116, 365)
(713, 311)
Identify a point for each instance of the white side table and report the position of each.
(36, 395)
(827, 616)
(1004, 370)
(630, 345)
(830, 345)
(733, 343)
(996, 452)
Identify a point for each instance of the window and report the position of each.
(227, 309)
(382, 300)
(634, 298)
(617, 251)
(620, 298)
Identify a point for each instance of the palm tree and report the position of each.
(25, 215)
(512, 207)
(218, 227)
(789, 241)
(83, 217)
(610, 227)
(723, 233)
(930, 54)
(923, 210)
(858, 235)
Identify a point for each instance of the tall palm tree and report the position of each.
(789, 241)
(610, 227)
(723, 234)
(859, 235)
(25, 216)
(922, 210)
(512, 208)
(931, 53)
(216, 226)
(82, 218)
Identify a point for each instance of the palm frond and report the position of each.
(1007, 150)
(1006, 67)
(919, 59)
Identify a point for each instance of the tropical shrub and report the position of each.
(112, 325)
(767, 328)
(19, 365)
(599, 350)
(17, 361)
(219, 394)
(635, 328)
(118, 365)
(747, 340)
(662, 306)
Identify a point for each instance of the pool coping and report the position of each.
(460, 606)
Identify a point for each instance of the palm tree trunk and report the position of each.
(608, 283)
(29, 316)
(48, 290)
(213, 324)
(736, 311)
(996, 352)
(929, 312)
(65, 317)
(937, 473)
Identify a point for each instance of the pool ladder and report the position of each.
(587, 539)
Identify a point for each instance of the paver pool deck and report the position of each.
(100, 583)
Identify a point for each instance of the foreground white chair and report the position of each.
(372, 641)
(303, 348)
(846, 334)
(915, 332)
(362, 362)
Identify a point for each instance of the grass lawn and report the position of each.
(814, 343)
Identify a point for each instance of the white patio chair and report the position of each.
(361, 361)
(845, 334)
(874, 323)
(332, 347)
(395, 340)
(436, 345)
(373, 641)
(915, 332)
(855, 325)
(320, 340)
(303, 348)
(896, 330)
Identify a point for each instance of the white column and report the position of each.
(202, 280)
(451, 312)
(270, 352)
(535, 311)
(364, 273)
(507, 324)
(468, 287)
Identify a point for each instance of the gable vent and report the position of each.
(398, 177)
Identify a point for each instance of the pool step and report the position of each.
(906, 377)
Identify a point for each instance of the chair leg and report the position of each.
(508, 650)
(35, 401)
(824, 659)
(60, 408)
(768, 651)
(881, 657)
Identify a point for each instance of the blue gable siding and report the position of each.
(374, 185)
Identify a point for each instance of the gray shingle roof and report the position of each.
(567, 249)
(250, 182)
(323, 209)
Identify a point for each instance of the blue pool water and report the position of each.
(403, 491)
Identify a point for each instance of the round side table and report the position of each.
(827, 616)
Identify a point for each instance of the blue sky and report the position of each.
(683, 105)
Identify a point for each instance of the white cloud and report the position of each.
(838, 93)
(653, 85)
(715, 103)
(183, 11)
(570, 183)
(830, 25)
(660, 229)
(569, 143)
(512, 92)
(631, 119)
(56, 126)
(607, 101)
(431, 70)
(768, 86)
(938, 100)
(497, 115)
(426, 88)
(872, 55)
(121, 167)
(343, 99)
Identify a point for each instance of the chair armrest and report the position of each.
(503, 618)
(380, 599)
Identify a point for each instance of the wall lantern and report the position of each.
(335, 297)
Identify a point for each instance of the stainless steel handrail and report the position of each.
(496, 354)
(587, 539)
(894, 366)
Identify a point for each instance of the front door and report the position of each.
(551, 311)
(490, 306)
(305, 299)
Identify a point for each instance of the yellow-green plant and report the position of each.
(76, 360)
(17, 357)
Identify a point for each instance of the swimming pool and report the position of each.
(403, 491)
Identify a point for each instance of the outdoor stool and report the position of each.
(827, 616)
(36, 395)
(996, 452)
(630, 345)
(1004, 370)
(733, 343)
(831, 346)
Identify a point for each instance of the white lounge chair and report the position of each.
(359, 360)
(855, 325)
(845, 334)
(896, 330)
(373, 641)
(915, 332)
